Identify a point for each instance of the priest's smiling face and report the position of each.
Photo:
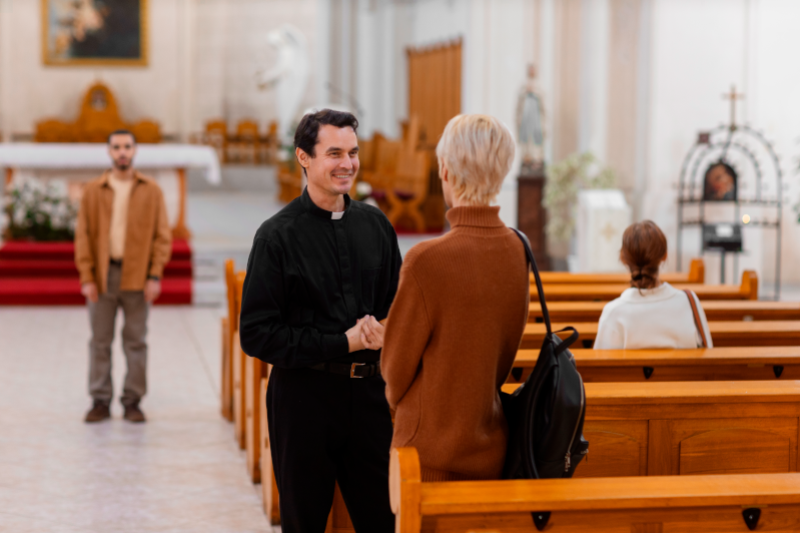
(333, 168)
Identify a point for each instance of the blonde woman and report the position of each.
(459, 314)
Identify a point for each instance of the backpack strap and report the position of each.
(537, 277)
(697, 322)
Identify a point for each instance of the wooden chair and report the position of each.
(247, 142)
(217, 138)
(290, 180)
(768, 502)
(386, 158)
(146, 132)
(409, 189)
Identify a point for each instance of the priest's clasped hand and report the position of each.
(367, 334)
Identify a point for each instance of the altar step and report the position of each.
(44, 273)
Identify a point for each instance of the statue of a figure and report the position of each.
(289, 76)
(530, 115)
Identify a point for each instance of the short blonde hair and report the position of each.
(478, 151)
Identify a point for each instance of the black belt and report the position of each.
(115, 262)
(353, 370)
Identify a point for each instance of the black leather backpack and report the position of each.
(545, 414)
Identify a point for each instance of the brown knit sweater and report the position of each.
(451, 338)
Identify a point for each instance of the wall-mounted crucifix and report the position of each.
(733, 96)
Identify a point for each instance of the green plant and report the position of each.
(564, 180)
(39, 212)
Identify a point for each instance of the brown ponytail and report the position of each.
(643, 248)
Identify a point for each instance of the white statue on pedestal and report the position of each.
(289, 76)
(530, 130)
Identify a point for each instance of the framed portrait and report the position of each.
(720, 183)
(94, 32)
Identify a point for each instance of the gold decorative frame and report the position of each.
(141, 61)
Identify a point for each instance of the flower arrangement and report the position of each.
(564, 180)
(38, 211)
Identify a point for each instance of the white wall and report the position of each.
(203, 58)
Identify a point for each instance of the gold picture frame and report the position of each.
(95, 33)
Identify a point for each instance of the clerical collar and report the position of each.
(315, 210)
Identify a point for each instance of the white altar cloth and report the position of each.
(95, 156)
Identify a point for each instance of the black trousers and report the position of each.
(325, 428)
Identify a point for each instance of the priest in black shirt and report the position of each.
(317, 270)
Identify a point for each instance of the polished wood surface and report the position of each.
(239, 358)
(747, 290)
(674, 428)
(255, 371)
(696, 274)
(713, 364)
(226, 392)
(229, 327)
(725, 333)
(532, 218)
(624, 504)
(717, 310)
(269, 488)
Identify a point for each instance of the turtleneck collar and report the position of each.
(475, 216)
(315, 210)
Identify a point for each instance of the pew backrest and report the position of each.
(638, 504)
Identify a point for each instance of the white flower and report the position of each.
(19, 216)
(363, 188)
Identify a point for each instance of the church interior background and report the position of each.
(625, 90)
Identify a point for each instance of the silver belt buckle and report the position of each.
(353, 370)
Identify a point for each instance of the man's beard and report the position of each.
(122, 166)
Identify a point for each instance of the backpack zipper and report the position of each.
(568, 457)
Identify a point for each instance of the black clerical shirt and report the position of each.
(311, 276)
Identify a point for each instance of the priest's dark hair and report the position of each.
(307, 133)
(644, 247)
(121, 132)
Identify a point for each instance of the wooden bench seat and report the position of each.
(747, 290)
(637, 505)
(687, 428)
(717, 310)
(732, 333)
(696, 274)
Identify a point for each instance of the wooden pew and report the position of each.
(717, 310)
(255, 371)
(637, 505)
(714, 364)
(688, 428)
(748, 290)
(696, 274)
(229, 325)
(269, 488)
(735, 333)
(239, 399)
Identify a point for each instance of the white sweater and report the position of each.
(656, 318)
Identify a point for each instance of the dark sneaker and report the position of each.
(133, 413)
(99, 412)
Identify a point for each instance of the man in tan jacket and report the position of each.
(122, 242)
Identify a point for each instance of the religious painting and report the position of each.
(94, 32)
(720, 183)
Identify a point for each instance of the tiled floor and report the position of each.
(181, 471)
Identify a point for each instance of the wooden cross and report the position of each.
(733, 96)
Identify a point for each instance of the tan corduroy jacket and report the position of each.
(148, 238)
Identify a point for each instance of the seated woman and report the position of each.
(652, 313)
(457, 321)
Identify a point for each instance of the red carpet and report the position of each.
(44, 273)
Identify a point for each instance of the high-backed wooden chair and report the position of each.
(290, 180)
(386, 156)
(409, 185)
(217, 138)
(247, 142)
(146, 132)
